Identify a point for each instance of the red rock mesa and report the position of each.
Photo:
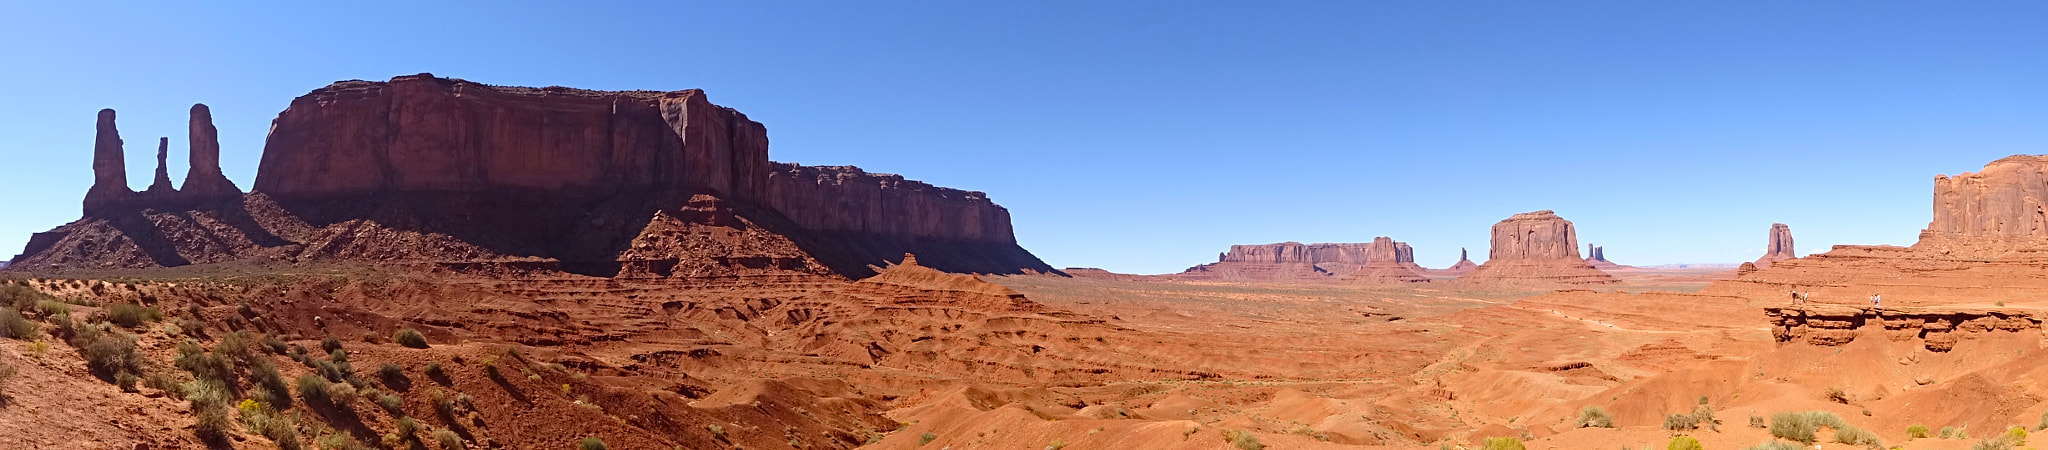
(1536, 248)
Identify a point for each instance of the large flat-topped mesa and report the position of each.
(422, 133)
(1382, 260)
(1536, 248)
(428, 170)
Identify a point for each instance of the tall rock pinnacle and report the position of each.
(109, 167)
(162, 185)
(1780, 247)
(204, 179)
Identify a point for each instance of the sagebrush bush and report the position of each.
(1680, 422)
(928, 437)
(390, 373)
(448, 439)
(1857, 436)
(1793, 427)
(392, 404)
(210, 409)
(7, 372)
(20, 296)
(591, 443)
(1837, 395)
(1916, 432)
(131, 315)
(1775, 444)
(1594, 417)
(330, 344)
(13, 325)
(2016, 436)
(313, 389)
(1703, 416)
(1757, 422)
(1504, 443)
(410, 338)
(108, 353)
(1991, 444)
(1683, 442)
(50, 308)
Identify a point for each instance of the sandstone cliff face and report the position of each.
(2000, 209)
(204, 180)
(109, 168)
(1382, 260)
(1779, 248)
(426, 134)
(464, 175)
(1937, 328)
(1536, 248)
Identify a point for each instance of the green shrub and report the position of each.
(275, 345)
(392, 404)
(108, 354)
(926, 438)
(1594, 417)
(407, 427)
(209, 408)
(13, 325)
(51, 308)
(20, 296)
(131, 315)
(591, 443)
(390, 372)
(448, 439)
(1757, 422)
(1504, 443)
(410, 338)
(330, 344)
(1916, 432)
(2017, 436)
(1792, 426)
(1991, 444)
(313, 389)
(339, 441)
(341, 394)
(1857, 436)
(1680, 422)
(125, 381)
(1683, 442)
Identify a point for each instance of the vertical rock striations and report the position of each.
(204, 180)
(1779, 248)
(2001, 209)
(109, 168)
(1536, 248)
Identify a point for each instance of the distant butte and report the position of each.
(1536, 248)
(1383, 260)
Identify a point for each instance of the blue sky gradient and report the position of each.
(1148, 136)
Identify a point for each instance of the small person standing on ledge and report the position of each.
(1875, 299)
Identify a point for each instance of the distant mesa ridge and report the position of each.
(462, 174)
(1383, 260)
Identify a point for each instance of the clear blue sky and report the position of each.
(1147, 137)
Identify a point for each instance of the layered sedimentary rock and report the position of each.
(1383, 259)
(204, 180)
(464, 175)
(1536, 248)
(1779, 248)
(2002, 209)
(1937, 328)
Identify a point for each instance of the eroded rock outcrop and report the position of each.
(1536, 248)
(1382, 260)
(464, 175)
(1462, 267)
(2000, 209)
(1938, 328)
(1779, 248)
(1596, 256)
(109, 168)
(203, 179)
